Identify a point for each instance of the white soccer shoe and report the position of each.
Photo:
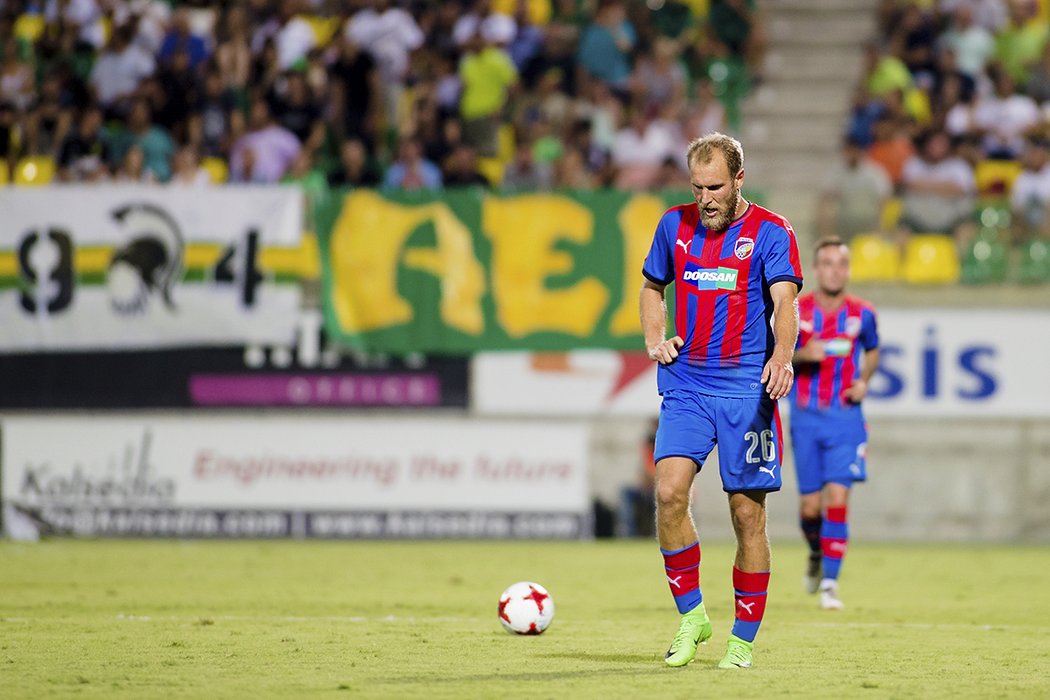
(829, 595)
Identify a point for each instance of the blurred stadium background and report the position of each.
(369, 268)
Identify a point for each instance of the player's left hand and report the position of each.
(778, 375)
(856, 391)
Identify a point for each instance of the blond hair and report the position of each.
(703, 149)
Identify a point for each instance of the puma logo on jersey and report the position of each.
(684, 244)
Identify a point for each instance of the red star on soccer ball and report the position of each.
(537, 597)
(502, 610)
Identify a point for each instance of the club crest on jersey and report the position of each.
(744, 247)
(853, 326)
(706, 278)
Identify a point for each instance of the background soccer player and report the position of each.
(838, 351)
(736, 271)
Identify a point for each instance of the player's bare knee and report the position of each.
(672, 499)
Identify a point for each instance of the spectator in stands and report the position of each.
(292, 36)
(215, 120)
(233, 54)
(355, 169)
(16, 77)
(293, 107)
(989, 14)
(84, 153)
(1004, 117)
(854, 195)
(49, 118)
(913, 41)
(390, 34)
(173, 92)
(411, 171)
(461, 168)
(1030, 193)
(606, 45)
(660, 78)
(524, 174)
(154, 141)
(488, 74)
(266, 151)
(641, 148)
(1038, 87)
(187, 170)
(972, 44)
(356, 99)
(1020, 43)
(893, 146)
(571, 172)
(10, 134)
(133, 168)
(937, 190)
(118, 72)
(180, 38)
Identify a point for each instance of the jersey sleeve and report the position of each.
(659, 264)
(869, 332)
(781, 260)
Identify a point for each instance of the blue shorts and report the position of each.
(746, 430)
(829, 447)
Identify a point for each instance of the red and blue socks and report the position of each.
(834, 538)
(750, 591)
(682, 567)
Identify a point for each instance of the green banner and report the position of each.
(463, 271)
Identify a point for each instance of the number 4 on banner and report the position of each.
(241, 269)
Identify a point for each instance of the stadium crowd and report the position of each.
(522, 94)
(951, 122)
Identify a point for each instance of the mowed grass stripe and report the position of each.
(143, 619)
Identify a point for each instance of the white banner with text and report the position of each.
(934, 362)
(305, 476)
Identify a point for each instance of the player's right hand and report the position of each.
(667, 351)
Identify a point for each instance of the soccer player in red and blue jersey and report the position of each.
(838, 351)
(735, 271)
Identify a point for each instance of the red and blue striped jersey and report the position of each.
(721, 296)
(846, 332)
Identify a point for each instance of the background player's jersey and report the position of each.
(846, 332)
(721, 290)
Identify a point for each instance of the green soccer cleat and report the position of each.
(738, 653)
(695, 629)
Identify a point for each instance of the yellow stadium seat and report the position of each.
(873, 259)
(29, 26)
(930, 258)
(216, 168)
(996, 177)
(5, 175)
(33, 171)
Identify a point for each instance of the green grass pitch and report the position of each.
(143, 619)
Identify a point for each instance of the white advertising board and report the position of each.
(934, 363)
(307, 476)
(137, 267)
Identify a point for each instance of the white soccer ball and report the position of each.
(526, 608)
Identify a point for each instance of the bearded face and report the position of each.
(717, 193)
